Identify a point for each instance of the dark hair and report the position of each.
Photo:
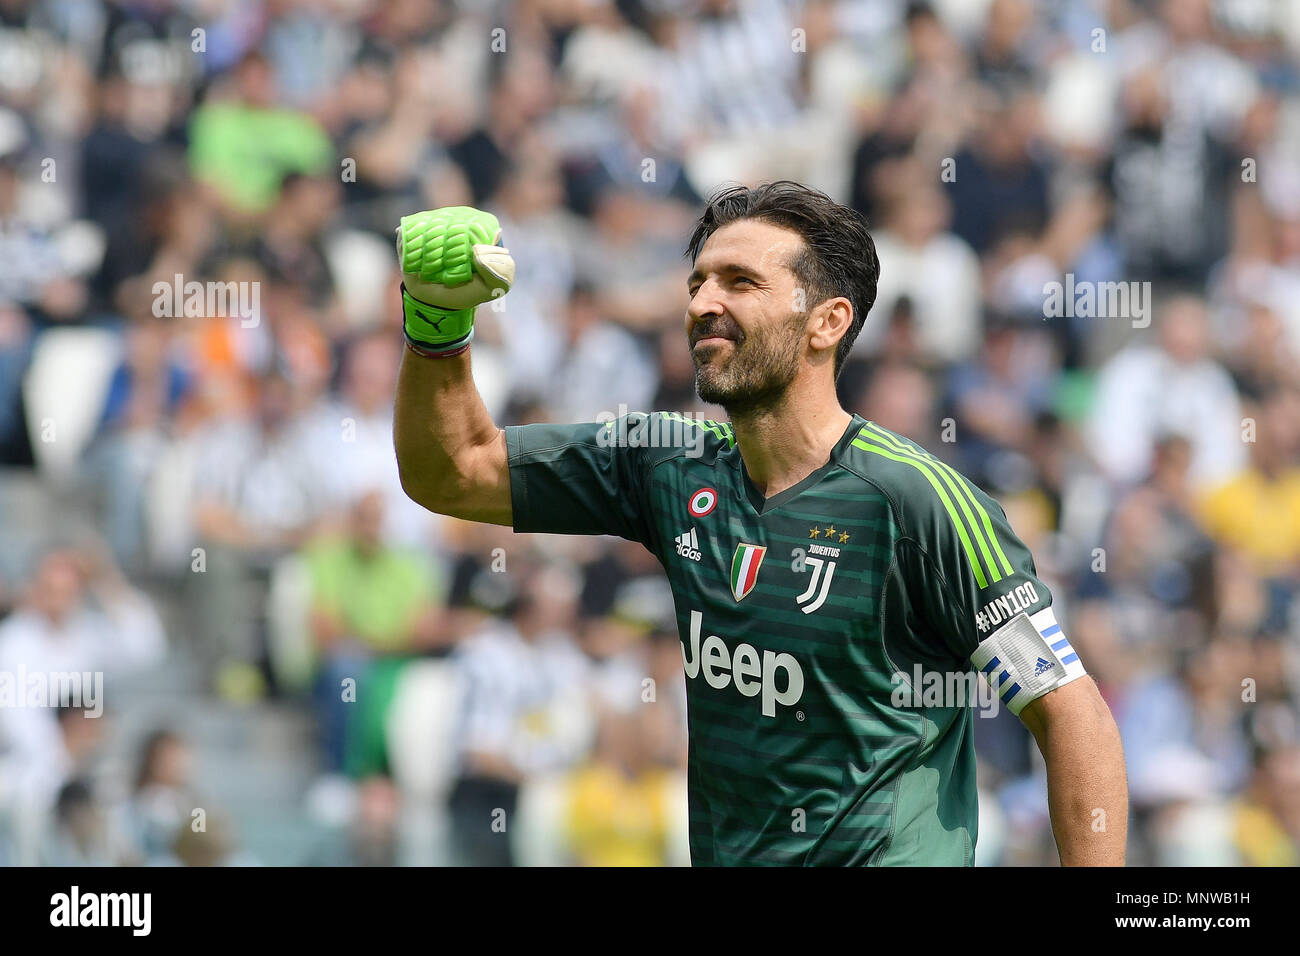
(918, 10)
(839, 258)
(73, 795)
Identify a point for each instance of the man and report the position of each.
(374, 606)
(259, 495)
(817, 561)
(80, 616)
(523, 713)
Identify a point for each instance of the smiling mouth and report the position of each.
(710, 340)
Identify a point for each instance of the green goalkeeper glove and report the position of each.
(451, 260)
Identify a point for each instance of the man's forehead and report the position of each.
(751, 242)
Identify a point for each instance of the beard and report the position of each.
(760, 367)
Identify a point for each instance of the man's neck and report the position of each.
(782, 445)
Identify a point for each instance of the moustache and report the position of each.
(717, 330)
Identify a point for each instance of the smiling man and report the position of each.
(817, 561)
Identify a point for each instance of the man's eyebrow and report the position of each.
(730, 268)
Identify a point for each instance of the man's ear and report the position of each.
(829, 322)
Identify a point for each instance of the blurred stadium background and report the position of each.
(207, 508)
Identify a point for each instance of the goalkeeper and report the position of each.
(827, 574)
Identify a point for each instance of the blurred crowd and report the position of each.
(184, 481)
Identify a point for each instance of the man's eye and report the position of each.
(744, 279)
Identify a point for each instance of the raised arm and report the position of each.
(450, 454)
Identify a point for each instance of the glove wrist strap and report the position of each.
(414, 309)
(425, 350)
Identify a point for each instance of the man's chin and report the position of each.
(736, 399)
(716, 392)
(710, 391)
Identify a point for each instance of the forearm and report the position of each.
(450, 454)
(1087, 793)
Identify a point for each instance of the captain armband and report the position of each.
(1027, 657)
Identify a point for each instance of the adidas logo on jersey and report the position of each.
(688, 546)
(1042, 665)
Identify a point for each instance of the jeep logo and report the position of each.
(743, 668)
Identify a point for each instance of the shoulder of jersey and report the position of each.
(936, 503)
(671, 434)
(918, 483)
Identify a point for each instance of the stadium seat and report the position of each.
(362, 266)
(64, 393)
(169, 505)
(420, 724)
(538, 837)
(420, 727)
(289, 641)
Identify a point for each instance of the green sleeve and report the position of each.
(575, 479)
(967, 572)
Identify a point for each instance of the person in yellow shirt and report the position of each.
(1257, 512)
(619, 812)
(1266, 822)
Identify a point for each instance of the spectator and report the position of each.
(144, 397)
(162, 801)
(291, 249)
(603, 365)
(520, 716)
(998, 396)
(1169, 186)
(1267, 822)
(80, 836)
(620, 803)
(1257, 511)
(258, 496)
(935, 270)
(999, 183)
(372, 607)
(1174, 386)
(79, 616)
(51, 789)
(244, 145)
(352, 440)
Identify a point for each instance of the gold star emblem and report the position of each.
(844, 537)
(830, 532)
(814, 532)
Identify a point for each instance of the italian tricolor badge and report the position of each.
(744, 568)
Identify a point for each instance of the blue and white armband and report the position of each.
(1027, 657)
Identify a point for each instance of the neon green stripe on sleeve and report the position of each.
(965, 487)
(861, 442)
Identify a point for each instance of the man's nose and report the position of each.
(707, 301)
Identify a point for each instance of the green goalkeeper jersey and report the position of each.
(801, 617)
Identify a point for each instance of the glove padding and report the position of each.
(452, 260)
